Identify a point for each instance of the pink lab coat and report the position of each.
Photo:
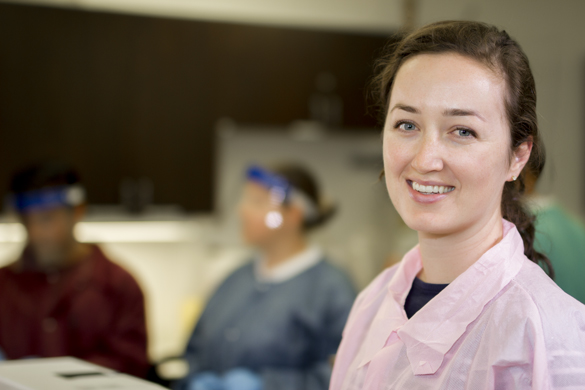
(502, 324)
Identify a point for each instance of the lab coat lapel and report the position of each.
(391, 316)
(459, 304)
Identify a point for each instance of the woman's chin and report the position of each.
(432, 225)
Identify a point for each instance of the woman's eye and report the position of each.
(406, 126)
(465, 133)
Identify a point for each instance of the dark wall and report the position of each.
(128, 96)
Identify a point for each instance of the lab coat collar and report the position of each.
(433, 330)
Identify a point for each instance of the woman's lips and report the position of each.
(428, 192)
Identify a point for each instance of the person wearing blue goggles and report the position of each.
(275, 322)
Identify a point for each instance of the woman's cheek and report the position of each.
(395, 158)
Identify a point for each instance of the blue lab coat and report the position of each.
(285, 332)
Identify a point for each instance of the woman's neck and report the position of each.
(279, 252)
(446, 257)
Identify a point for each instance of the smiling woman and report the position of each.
(468, 308)
(453, 135)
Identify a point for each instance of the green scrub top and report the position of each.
(562, 238)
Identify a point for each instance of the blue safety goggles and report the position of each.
(277, 184)
(281, 191)
(47, 198)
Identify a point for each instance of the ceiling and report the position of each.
(367, 16)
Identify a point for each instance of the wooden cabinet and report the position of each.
(129, 96)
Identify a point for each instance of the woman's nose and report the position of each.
(428, 155)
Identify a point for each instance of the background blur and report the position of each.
(162, 104)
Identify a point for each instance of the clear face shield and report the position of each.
(281, 193)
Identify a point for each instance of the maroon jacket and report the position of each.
(93, 310)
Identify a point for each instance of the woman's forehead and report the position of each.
(255, 188)
(449, 81)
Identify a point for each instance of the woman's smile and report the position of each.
(430, 188)
(428, 192)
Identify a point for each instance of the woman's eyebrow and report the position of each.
(406, 108)
(447, 112)
(462, 112)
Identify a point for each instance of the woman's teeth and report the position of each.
(431, 189)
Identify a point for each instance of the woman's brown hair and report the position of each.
(495, 49)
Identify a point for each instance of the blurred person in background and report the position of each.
(561, 237)
(63, 297)
(274, 323)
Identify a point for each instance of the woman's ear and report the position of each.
(520, 157)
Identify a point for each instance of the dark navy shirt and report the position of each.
(420, 294)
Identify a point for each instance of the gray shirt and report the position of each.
(286, 332)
